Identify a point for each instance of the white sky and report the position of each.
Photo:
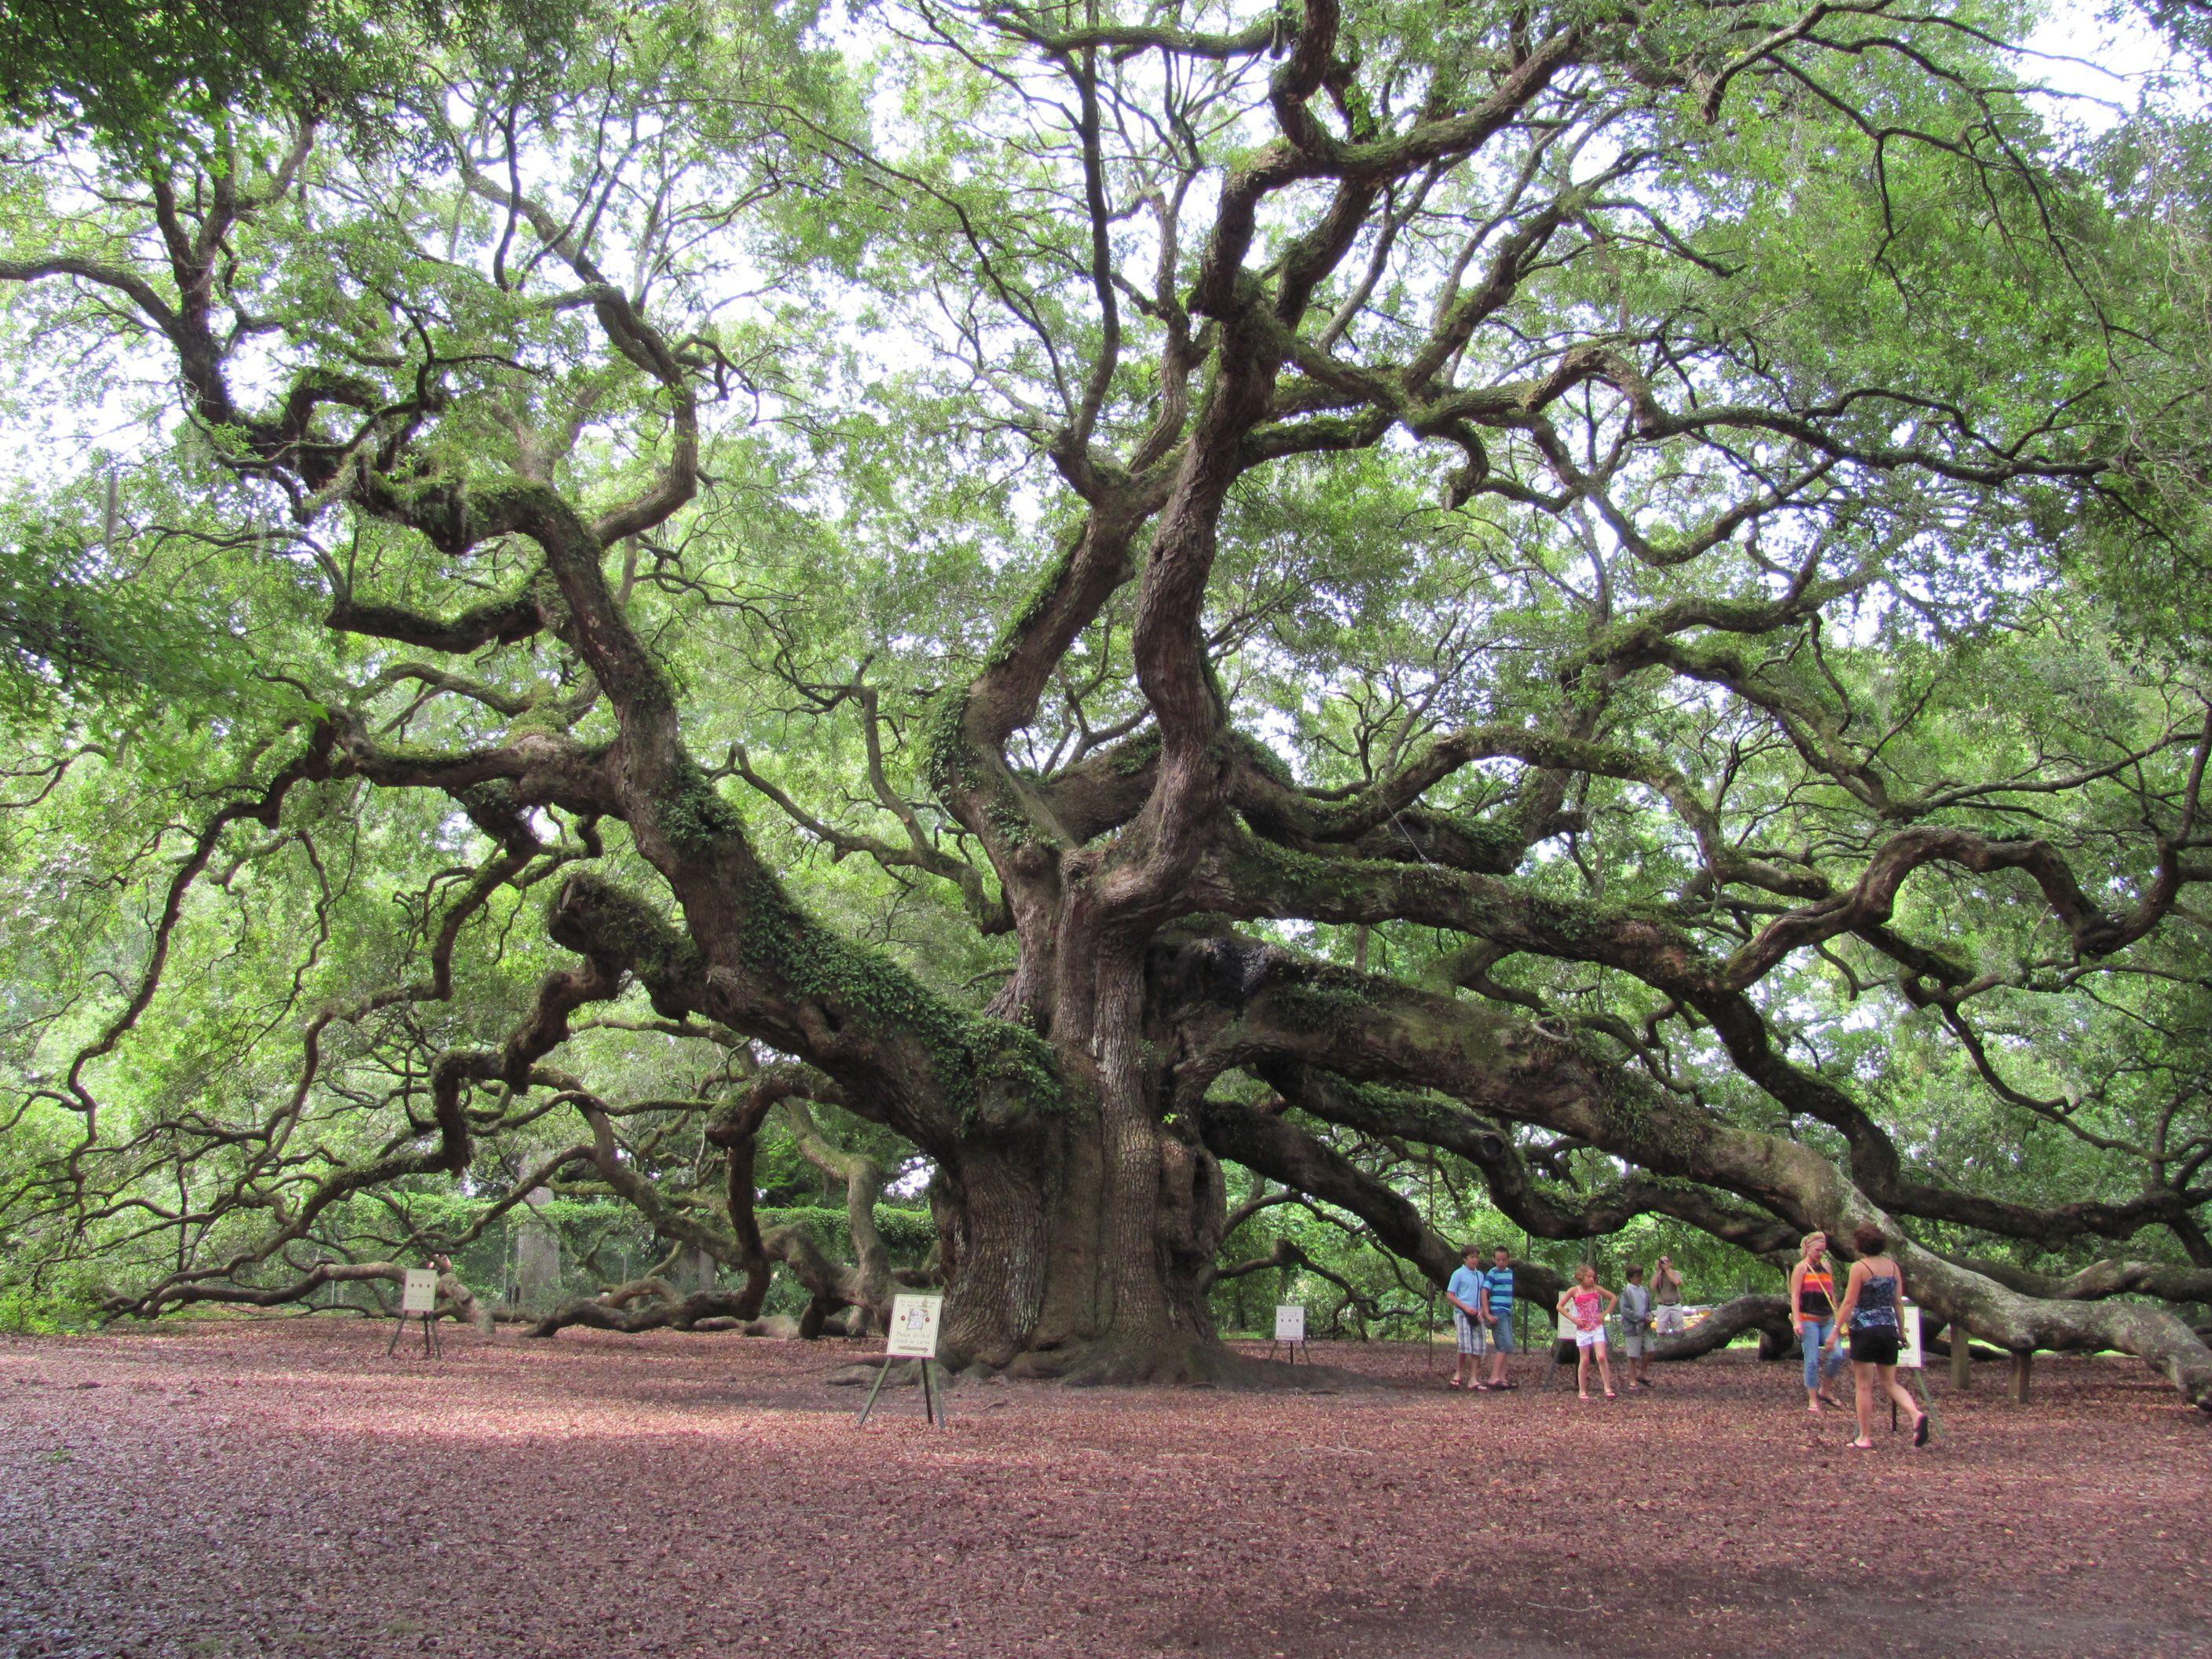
(2099, 68)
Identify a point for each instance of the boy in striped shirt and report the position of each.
(1496, 1314)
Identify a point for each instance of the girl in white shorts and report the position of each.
(1585, 1304)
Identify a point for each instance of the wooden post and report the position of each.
(1962, 1359)
(2021, 1365)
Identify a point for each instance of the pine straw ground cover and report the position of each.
(281, 1488)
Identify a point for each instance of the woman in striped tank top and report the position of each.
(1812, 1317)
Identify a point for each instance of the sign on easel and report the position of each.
(915, 1320)
(1290, 1331)
(914, 1323)
(1908, 1347)
(418, 1299)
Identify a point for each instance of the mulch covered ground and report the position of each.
(281, 1488)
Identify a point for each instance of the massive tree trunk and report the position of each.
(1072, 1251)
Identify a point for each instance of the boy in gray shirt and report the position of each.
(1635, 1337)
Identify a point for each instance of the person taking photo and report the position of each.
(1666, 1296)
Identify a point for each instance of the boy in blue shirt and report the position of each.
(1464, 1291)
(1496, 1314)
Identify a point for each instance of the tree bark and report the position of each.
(1079, 1257)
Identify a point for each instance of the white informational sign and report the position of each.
(418, 1291)
(1290, 1322)
(913, 1327)
(1908, 1350)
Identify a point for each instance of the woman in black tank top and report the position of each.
(1869, 1309)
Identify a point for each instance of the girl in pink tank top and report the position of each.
(1585, 1304)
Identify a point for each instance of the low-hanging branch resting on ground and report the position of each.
(1282, 1010)
(455, 1299)
(1767, 1315)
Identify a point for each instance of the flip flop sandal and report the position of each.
(1920, 1430)
(1858, 1445)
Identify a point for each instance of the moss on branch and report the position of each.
(962, 778)
(598, 919)
(692, 813)
(989, 1071)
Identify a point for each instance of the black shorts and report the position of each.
(1877, 1347)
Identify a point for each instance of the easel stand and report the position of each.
(933, 1400)
(1565, 1357)
(1296, 1350)
(432, 1348)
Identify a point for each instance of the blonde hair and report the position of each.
(1805, 1244)
(1590, 1268)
